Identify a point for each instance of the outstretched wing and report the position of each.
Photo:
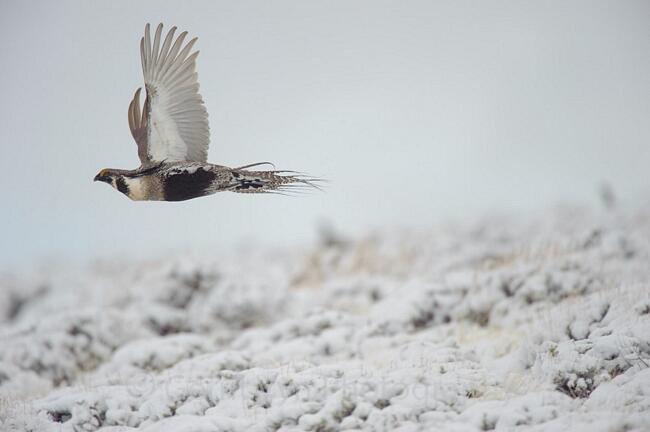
(173, 124)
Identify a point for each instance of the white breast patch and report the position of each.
(137, 188)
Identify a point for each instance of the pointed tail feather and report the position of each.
(281, 182)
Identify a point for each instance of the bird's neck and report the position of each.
(137, 188)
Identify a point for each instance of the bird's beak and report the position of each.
(102, 178)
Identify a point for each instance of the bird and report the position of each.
(172, 135)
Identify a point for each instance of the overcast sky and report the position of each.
(416, 111)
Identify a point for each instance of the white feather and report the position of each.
(177, 126)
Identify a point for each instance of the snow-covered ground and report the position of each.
(498, 324)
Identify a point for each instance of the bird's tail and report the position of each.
(272, 181)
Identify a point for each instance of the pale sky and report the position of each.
(416, 111)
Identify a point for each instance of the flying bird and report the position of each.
(172, 135)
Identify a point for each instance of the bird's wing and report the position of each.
(138, 126)
(173, 124)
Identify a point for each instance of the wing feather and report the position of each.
(138, 126)
(173, 124)
(156, 44)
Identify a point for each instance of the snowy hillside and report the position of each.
(495, 325)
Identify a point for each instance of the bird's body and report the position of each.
(181, 181)
(172, 134)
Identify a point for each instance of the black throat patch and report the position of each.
(122, 186)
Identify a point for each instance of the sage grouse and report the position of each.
(172, 134)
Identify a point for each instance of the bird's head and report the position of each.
(107, 175)
(114, 178)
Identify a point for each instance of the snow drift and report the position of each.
(497, 324)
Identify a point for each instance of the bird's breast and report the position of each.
(139, 188)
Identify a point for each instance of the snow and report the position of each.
(498, 324)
